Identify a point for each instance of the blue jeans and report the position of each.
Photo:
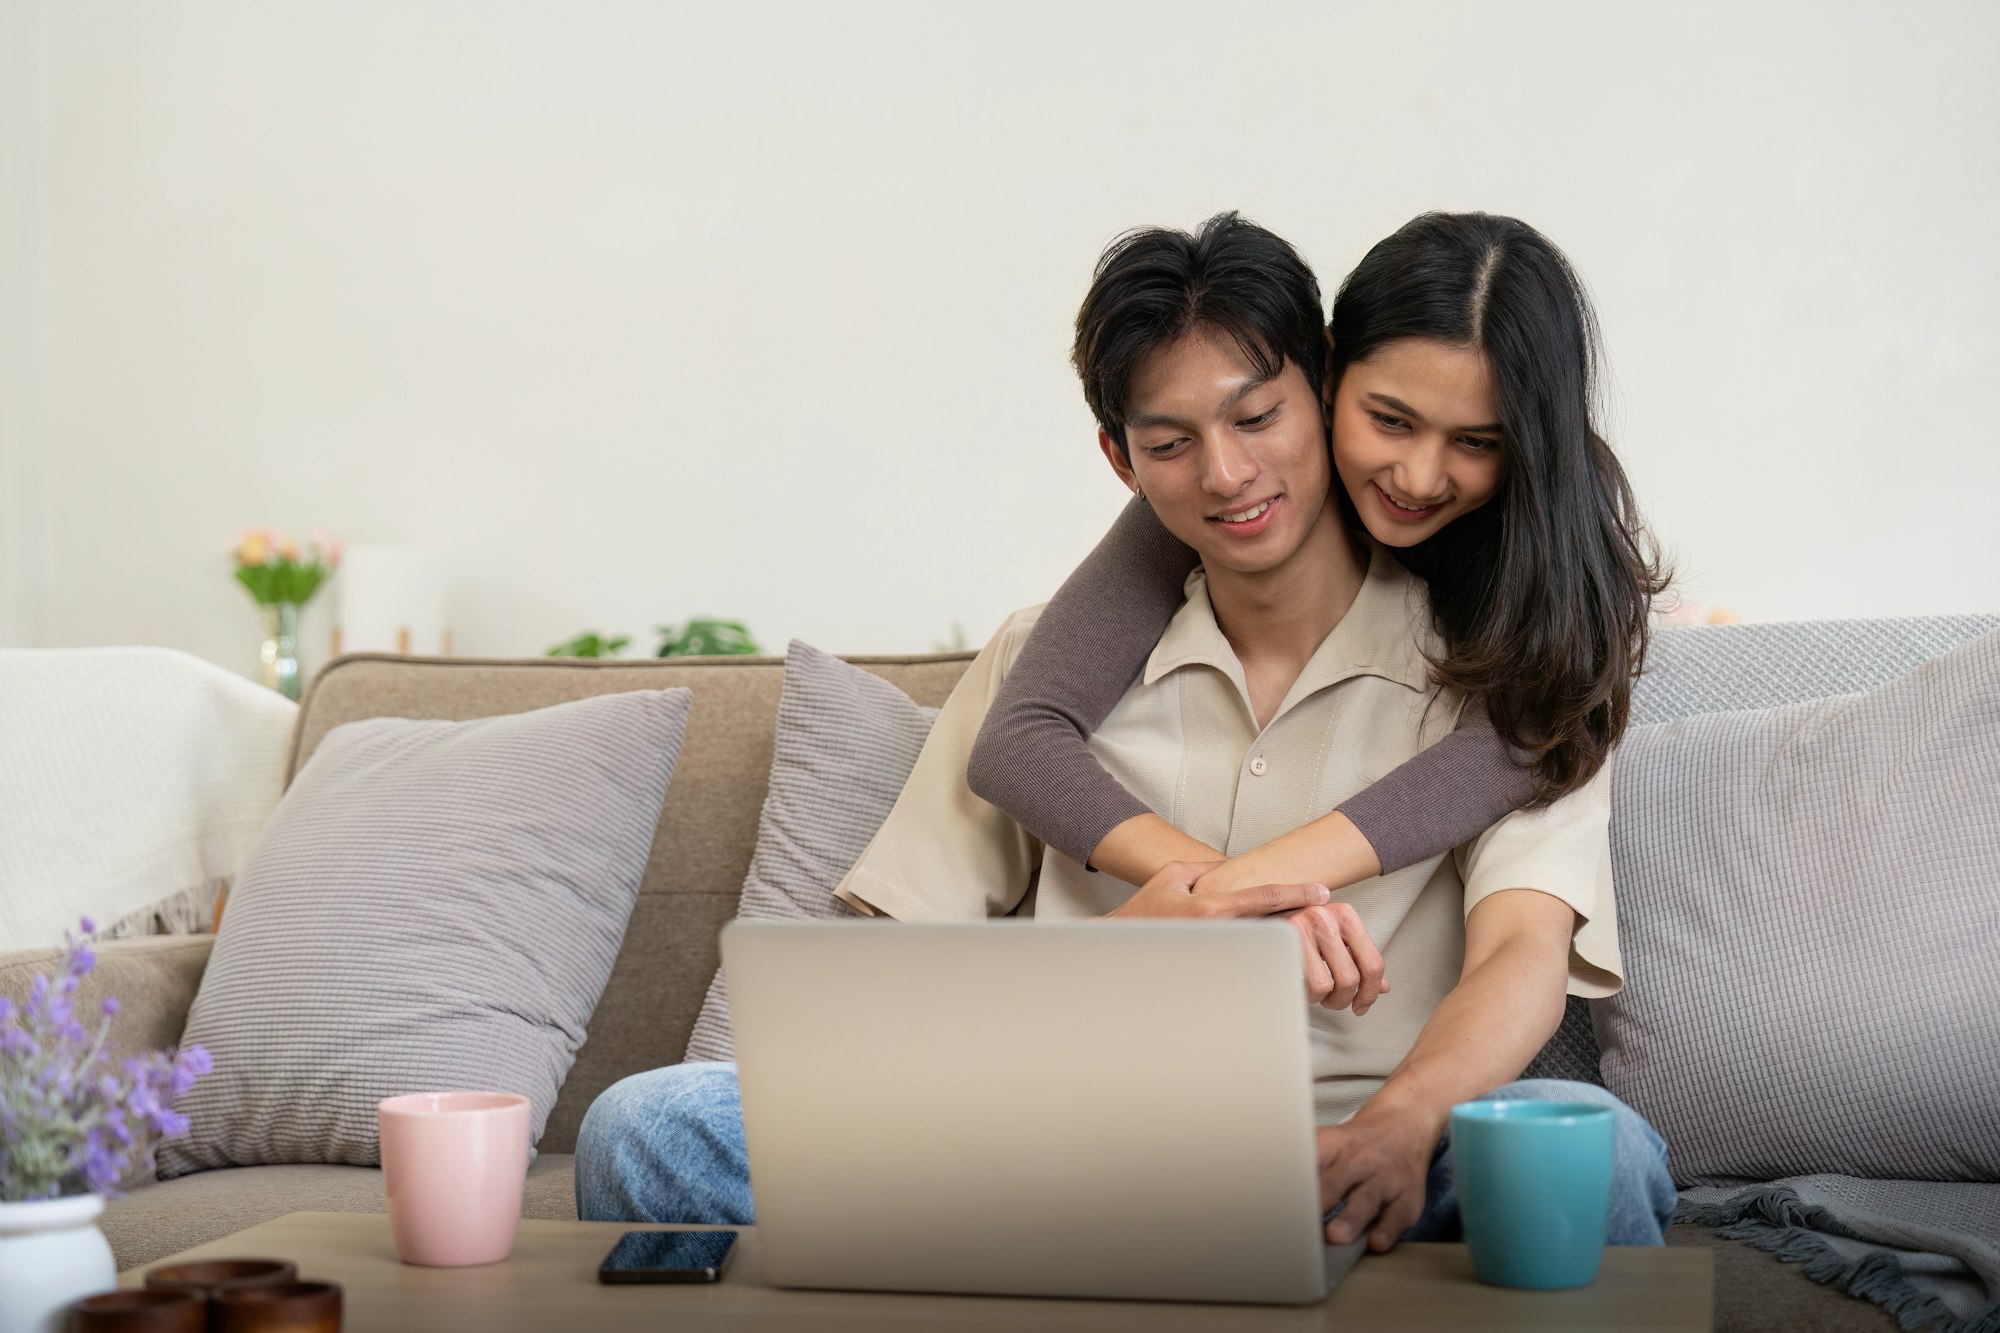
(667, 1146)
(1642, 1193)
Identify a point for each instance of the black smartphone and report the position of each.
(668, 1256)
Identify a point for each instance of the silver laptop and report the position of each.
(1114, 1109)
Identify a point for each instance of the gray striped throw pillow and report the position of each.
(432, 905)
(845, 745)
(1808, 901)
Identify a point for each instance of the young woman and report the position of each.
(1459, 385)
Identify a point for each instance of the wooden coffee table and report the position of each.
(551, 1283)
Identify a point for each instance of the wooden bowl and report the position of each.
(266, 1307)
(140, 1312)
(203, 1278)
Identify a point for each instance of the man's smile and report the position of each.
(1248, 521)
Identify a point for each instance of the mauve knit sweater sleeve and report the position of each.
(1033, 757)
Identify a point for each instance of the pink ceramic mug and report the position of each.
(455, 1164)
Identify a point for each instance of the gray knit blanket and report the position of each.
(1926, 1251)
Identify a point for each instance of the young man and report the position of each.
(1294, 675)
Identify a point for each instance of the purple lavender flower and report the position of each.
(70, 1121)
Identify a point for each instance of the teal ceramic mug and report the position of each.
(1534, 1189)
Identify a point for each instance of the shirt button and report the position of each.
(1257, 766)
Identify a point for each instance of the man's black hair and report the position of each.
(1156, 285)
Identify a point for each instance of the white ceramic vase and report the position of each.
(51, 1255)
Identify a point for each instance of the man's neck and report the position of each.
(1277, 618)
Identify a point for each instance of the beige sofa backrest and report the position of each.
(707, 827)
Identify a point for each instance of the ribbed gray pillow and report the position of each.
(433, 905)
(1809, 909)
(1721, 668)
(845, 745)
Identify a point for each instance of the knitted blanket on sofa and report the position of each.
(133, 780)
(1927, 1251)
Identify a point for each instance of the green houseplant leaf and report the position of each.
(282, 581)
(591, 644)
(703, 636)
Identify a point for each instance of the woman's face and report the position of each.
(1235, 465)
(1416, 437)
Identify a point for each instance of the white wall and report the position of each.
(634, 310)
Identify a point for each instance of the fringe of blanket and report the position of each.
(1775, 1219)
(189, 912)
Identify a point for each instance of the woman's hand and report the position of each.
(1330, 851)
(1377, 1165)
(1171, 895)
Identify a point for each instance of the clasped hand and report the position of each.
(1342, 965)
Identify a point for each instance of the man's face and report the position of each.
(1235, 465)
(1416, 437)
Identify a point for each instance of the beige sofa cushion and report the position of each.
(179, 1214)
(694, 875)
(154, 977)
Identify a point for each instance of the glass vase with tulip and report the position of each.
(282, 578)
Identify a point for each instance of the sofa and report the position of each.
(697, 863)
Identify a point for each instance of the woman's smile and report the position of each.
(1398, 512)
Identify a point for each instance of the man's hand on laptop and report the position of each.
(1342, 965)
(1376, 1165)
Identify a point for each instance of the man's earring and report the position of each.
(1137, 491)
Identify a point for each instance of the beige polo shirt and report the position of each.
(1185, 740)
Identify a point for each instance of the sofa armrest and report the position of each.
(153, 976)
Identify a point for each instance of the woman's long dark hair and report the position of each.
(1543, 595)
